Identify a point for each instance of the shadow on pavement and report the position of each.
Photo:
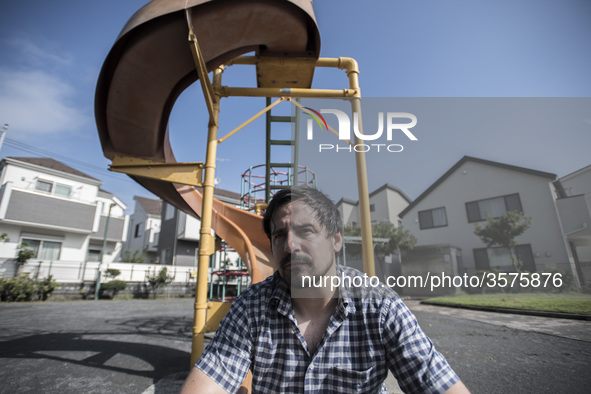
(130, 359)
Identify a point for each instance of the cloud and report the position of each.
(37, 93)
(34, 102)
(31, 53)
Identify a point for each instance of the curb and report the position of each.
(556, 315)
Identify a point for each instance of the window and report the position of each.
(44, 186)
(94, 255)
(372, 207)
(138, 230)
(496, 207)
(62, 190)
(166, 257)
(44, 250)
(432, 218)
(486, 259)
(58, 189)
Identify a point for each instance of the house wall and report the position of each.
(387, 205)
(576, 210)
(381, 208)
(476, 181)
(28, 213)
(26, 178)
(147, 241)
(349, 213)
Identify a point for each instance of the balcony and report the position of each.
(21, 206)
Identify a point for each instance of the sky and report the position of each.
(428, 51)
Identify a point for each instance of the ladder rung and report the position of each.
(278, 118)
(285, 165)
(279, 186)
(281, 142)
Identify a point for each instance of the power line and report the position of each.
(42, 152)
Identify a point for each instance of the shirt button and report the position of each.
(311, 367)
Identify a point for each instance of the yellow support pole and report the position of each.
(350, 65)
(200, 66)
(207, 242)
(226, 91)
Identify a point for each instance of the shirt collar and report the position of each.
(346, 301)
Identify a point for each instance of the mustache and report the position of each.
(295, 256)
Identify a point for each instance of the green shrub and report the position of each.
(160, 280)
(112, 273)
(114, 287)
(23, 288)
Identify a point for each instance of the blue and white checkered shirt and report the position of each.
(370, 332)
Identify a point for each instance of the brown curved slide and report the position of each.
(151, 63)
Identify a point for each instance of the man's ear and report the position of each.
(337, 240)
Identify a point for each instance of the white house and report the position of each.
(58, 211)
(180, 233)
(144, 228)
(385, 205)
(574, 205)
(475, 188)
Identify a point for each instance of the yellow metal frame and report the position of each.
(353, 93)
(192, 173)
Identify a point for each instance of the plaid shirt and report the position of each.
(370, 332)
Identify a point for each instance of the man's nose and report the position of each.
(291, 242)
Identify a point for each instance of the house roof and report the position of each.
(393, 188)
(48, 162)
(575, 173)
(383, 187)
(150, 205)
(226, 193)
(345, 200)
(476, 160)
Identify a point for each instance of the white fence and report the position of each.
(76, 271)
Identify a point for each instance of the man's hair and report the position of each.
(324, 209)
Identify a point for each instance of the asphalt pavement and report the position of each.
(143, 346)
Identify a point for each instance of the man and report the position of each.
(300, 337)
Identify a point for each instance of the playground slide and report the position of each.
(150, 65)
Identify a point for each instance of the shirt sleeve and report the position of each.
(227, 358)
(411, 356)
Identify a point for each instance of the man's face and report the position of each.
(300, 244)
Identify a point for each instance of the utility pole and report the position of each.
(3, 134)
(97, 286)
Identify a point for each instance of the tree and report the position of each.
(137, 257)
(156, 281)
(503, 231)
(23, 254)
(399, 239)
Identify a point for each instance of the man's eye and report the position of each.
(277, 237)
